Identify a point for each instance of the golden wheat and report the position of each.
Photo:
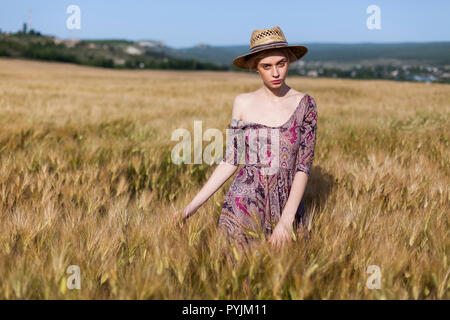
(86, 179)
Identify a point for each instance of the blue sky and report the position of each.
(187, 23)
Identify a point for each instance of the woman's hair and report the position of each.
(254, 59)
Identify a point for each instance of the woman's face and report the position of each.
(273, 69)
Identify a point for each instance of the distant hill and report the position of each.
(429, 62)
(437, 53)
(221, 55)
(425, 62)
(102, 53)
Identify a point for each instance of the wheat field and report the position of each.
(86, 179)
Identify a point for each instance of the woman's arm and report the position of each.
(303, 165)
(220, 175)
(283, 228)
(295, 196)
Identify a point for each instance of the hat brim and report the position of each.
(243, 63)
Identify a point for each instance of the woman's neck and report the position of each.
(277, 93)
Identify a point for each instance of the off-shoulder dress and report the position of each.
(271, 156)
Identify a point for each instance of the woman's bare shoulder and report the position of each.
(249, 98)
(297, 93)
(246, 96)
(241, 101)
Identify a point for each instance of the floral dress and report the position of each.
(270, 156)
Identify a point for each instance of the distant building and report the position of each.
(71, 43)
(68, 43)
(133, 51)
(119, 62)
(312, 73)
(422, 78)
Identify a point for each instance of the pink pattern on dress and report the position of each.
(241, 206)
(293, 133)
(253, 191)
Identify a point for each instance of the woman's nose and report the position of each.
(275, 72)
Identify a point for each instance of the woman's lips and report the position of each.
(276, 81)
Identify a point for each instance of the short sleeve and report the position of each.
(235, 143)
(305, 155)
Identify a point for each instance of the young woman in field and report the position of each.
(262, 200)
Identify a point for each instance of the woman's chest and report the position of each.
(266, 145)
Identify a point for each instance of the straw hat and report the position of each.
(264, 39)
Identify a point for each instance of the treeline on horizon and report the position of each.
(113, 54)
(33, 45)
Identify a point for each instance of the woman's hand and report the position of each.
(180, 216)
(281, 233)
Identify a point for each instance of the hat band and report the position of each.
(269, 45)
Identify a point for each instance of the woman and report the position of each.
(265, 197)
